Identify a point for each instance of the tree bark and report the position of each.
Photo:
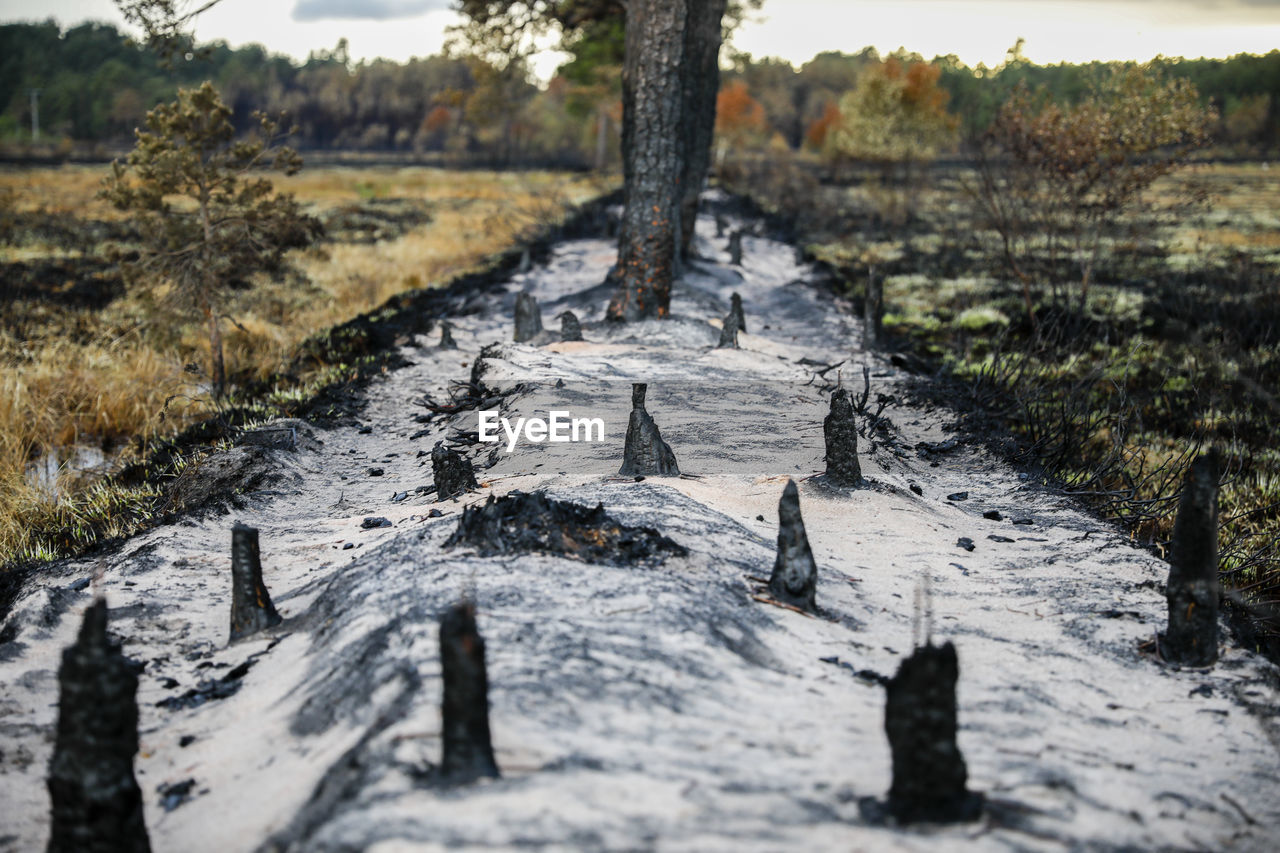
(602, 138)
(218, 371)
(703, 35)
(654, 148)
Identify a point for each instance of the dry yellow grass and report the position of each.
(65, 189)
(112, 384)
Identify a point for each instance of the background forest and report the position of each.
(96, 85)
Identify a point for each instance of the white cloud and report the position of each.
(354, 10)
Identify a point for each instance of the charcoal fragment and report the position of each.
(454, 474)
(522, 523)
(174, 794)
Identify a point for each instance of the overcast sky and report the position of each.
(975, 30)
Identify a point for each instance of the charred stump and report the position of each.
(929, 773)
(480, 365)
(735, 308)
(452, 472)
(446, 336)
(795, 574)
(729, 332)
(1194, 589)
(570, 328)
(468, 753)
(96, 803)
(251, 607)
(528, 318)
(841, 432)
(645, 453)
(735, 247)
(873, 312)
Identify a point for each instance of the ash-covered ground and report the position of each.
(649, 699)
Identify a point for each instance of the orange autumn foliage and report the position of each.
(737, 113)
(816, 135)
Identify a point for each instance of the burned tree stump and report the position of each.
(452, 472)
(645, 453)
(841, 432)
(729, 332)
(480, 365)
(735, 308)
(251, 607)
(96, 803)
(735, 247)
(873, 311)
(795, 574)
(570, 328)
(528, 318)
(468, 753)
(929, 773)
(1194, 589)
(446, 336)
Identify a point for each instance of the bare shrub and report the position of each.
(1053, 181)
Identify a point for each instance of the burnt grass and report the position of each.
(374, 220)
(1195, 365)
(524, 523)
(354, 353)
(85, 280)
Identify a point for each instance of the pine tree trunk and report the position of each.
(218, 373)
(653, 139)
(602, 138)
(703, 35)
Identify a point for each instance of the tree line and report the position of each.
(96, 85)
